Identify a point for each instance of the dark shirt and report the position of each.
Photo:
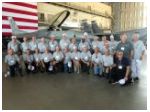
(122, 64)
(125, 47)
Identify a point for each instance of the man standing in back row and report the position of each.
(139, 50)
(125, 46)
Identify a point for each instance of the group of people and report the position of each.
(117, 61)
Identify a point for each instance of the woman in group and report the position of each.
(107, 63)
(58, 59)
(76, 57)
(52, 44)
(37, 60)
(25, 45)
(28, 61)
(47, 61)
(12, 61)
(33, 45)
(67, 61)
(42, 45)
(73, 44)
(85, 60)
(64, 41)
(97, 62)
(95, 43)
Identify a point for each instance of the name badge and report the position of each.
(86, 58)
(57, 57)
(28, 59)
(34, 45)
(96, 60)
(52, 45)
(94, 46)
(120, 67)
(76, 58)
(12, 61)
(65, 44)
(83, 46)
(69, 64)
(74, 47)
(45, 59)
(37, 59)
(106, 64)
(122, 48)
(50, 68)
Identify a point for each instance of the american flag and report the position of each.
(25, 15)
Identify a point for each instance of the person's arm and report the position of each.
(42, 62)
(6, 65)
(81, 57)
(127, 72)
(132, 51)
(79, 46)
(8, 45)
(127, 64)
(92, 59)
(18, 60)
(117, 48)
(143, 51)
(142, 56)
(21, 47)
(112, 62)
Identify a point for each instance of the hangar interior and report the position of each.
(71, 91)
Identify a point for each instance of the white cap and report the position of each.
(85, 34)
(111, 36)
(122, 81)
(64, 34)
(13, 37)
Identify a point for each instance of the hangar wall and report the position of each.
(129, 16)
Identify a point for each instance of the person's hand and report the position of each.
(88, 63)
(54, 62)
(95, 64)
(126, 78)
(43, 66)
(141, 58)
(114, 65)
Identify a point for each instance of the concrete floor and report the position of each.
(71, 91)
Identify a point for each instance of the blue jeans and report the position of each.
(97, 70)
(66, 67)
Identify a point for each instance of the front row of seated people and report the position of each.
(103, 65)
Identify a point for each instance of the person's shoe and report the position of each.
(110, 81)
(100, 76)
(21, 75)
(103, 75)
